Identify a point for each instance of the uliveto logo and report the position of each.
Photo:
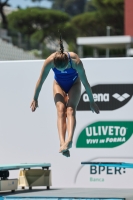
(105, 134)
(107, 97)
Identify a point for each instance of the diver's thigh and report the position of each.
(74, 94)
(58, 93)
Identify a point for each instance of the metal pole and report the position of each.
(95, 52)
(107, 34)
(128, 46)
(80, 51)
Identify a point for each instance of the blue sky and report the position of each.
(28, 3)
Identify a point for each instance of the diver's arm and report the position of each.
(83, 78)
(44, 73)
(82, 75)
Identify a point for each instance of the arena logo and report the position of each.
(107, 97)
(105, 134)
(121, 97)
(97, 97)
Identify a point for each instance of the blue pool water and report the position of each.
(44, 198)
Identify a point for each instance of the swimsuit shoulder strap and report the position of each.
(69, 59)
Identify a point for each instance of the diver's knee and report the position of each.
(71, 111)
(61, 109)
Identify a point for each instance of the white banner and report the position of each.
(28, 137)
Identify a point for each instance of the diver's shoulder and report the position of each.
(51, 57)
(73, 55)
(75, 58)
(49, 61)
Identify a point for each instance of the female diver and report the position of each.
(69, 73)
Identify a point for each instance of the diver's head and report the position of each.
(61, 59)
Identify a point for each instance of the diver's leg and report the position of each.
(73, 100)
(59, 98)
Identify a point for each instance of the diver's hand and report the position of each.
(34, 105)
(94, 107)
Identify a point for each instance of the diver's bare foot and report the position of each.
(66, 153)
(67, 145)
(61, 145)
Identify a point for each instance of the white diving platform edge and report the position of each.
(27, 177)
(110, 164)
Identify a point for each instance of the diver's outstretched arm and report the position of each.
(43, 75)
(83, 78)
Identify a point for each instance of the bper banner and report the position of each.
(28, 137)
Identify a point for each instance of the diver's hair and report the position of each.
(61, 45)
(60, 58)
